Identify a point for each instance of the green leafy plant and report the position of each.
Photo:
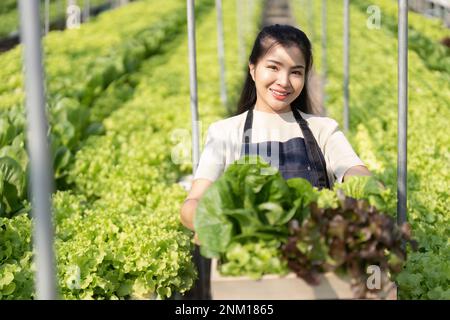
(90, 68)
(253, 259)
(250, 201)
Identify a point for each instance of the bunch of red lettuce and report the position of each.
(349, 238)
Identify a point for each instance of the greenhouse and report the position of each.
(113, 111)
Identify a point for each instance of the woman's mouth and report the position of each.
(279, 95)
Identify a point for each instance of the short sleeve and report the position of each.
(212, 159)
(339, 152)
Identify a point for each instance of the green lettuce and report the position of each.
(250, 201)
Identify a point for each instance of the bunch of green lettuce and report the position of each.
(254, 259)
(16, 270)
(370, 189)
(251, 201)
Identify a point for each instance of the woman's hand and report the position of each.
(187, 213)
(196, 241)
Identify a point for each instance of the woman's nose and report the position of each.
(283, 79)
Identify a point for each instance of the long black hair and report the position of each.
(268, 37)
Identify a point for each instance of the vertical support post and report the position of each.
(240, 33)
(252, 16)
(324, 52)
(41, 176)
(86, 10)
(47, 16)
(248, 14)
(221, 54)
(193, 83)
(62, 9)
(311, 20)
(346, 63)
(447, 17)
(402, 110)
(202, 263)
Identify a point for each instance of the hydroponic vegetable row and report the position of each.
(9, 13)
(117, 231)
(85, 69)
(373, 126)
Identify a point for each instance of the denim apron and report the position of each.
(297, 157)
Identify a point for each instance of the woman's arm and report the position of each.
(187, 213)
(357, 171)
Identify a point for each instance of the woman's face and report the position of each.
(279, 78)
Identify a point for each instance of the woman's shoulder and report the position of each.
(320, 123)
(230, 123)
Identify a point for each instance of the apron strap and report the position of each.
(313, 151)
(247, 135)
(247, 126)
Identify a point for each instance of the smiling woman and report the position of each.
(275, 120)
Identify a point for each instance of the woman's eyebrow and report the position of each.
(279, 63)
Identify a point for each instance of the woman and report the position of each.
(275, 121)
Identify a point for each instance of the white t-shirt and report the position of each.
(224, 141)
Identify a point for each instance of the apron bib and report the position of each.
(297, 157)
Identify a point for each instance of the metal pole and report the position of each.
(346, 63)
(47, 16)
(193, 83)
(402, 110)
(38, 149)
(252, 16)
(62, 9)
(202, 263)
(311, 20)
(324, 51)
(247, 25)
(239, 21)
(86, 10)
(221, 54)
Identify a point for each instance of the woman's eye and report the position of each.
(272, 67)
(298, 73)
